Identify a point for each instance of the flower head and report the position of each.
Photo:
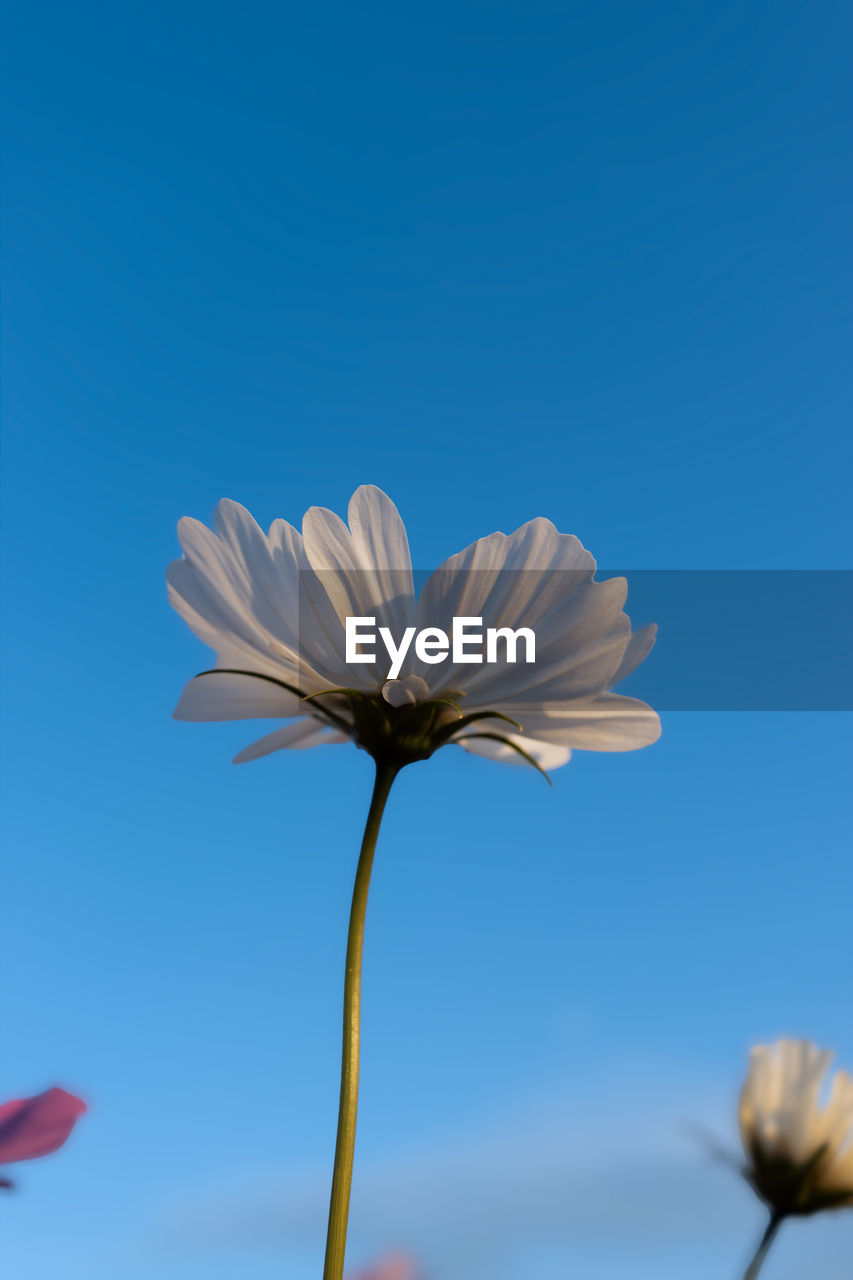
(31, 1127)
(396, 1266)
(799, 1144)
(276, 608)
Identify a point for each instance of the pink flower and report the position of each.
(31, 1127)
(395, 1267)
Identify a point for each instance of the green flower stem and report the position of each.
(336, 1239)
(764, 1248)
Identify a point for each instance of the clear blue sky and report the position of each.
(589, 261)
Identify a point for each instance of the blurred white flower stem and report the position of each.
(336, 1238)
(767, 1239)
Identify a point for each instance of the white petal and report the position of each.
(224, 589)
(779, 1103)
(215, 696)
(298, 736)
(579, 647)
(835, 1129)
(803, 1067)
(366, 572)
(241, 593)
(214, 614)
(379, 535)
(505, 577)
(535, 578)
(639, 647)
(277, 599)
(608, 722)
(546, 754)
(317, 627)
(231, 564)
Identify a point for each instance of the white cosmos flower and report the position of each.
(273, 607)
(799, 1142)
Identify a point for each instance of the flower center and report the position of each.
(405, 692)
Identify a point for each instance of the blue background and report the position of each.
(589, 261)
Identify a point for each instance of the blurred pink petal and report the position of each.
(395, 1267)
(31, 1127)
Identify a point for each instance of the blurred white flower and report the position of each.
(274, 609)
(797, 1134)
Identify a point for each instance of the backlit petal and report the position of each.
(215, 696)
(296, 737)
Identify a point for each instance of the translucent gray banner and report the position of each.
(728, 640)
(744, 640)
